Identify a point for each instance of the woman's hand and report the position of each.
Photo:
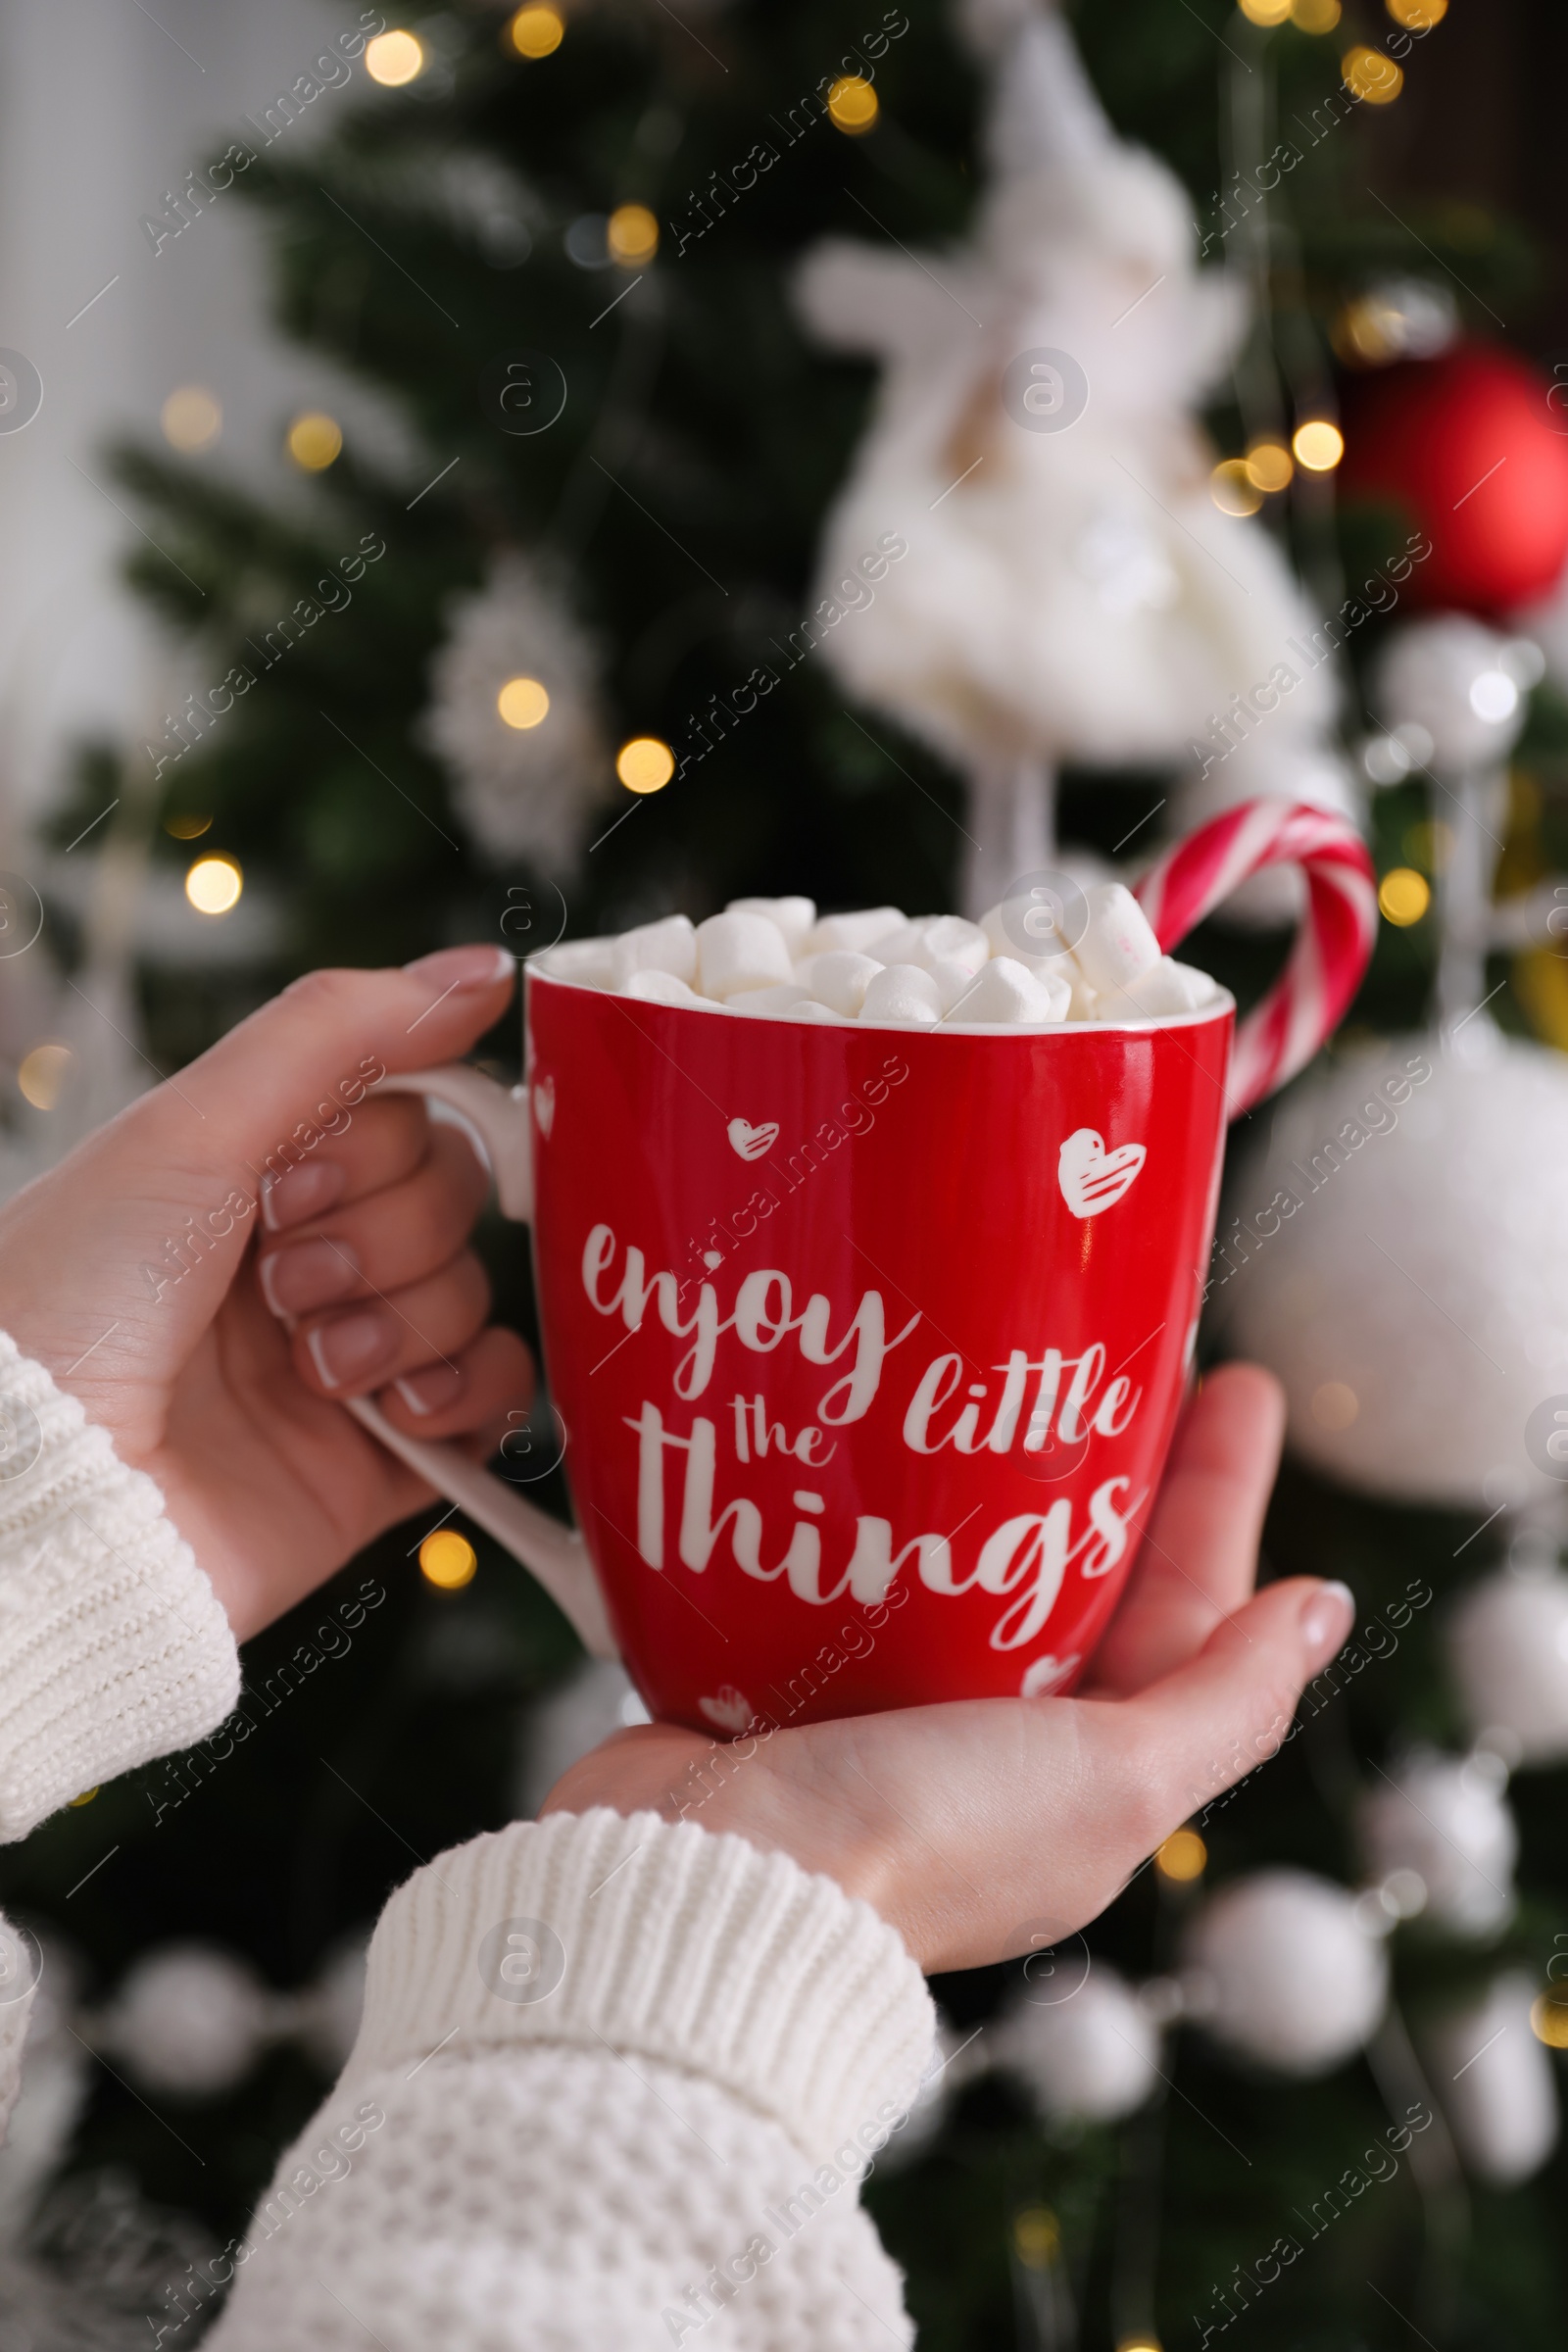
(269, 1174)
(986, 1826)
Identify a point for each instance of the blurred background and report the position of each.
(432, 449)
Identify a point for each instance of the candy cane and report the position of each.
(1332, 949)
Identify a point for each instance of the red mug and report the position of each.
(868, 1343)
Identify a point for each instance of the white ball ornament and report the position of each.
(188, 2019)
(1283, 1971)
(1446, 1818)
(1094, 2055)
(1495, 2081)
(1399, 1256)
(1508, 1652)
(1458, 680)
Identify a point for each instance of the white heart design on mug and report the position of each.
(731, 1710)
(752, 1142)
(543, 1105)
(1047, 1674)
(1091, 1177)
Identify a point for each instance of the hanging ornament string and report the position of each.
(1281, 1035)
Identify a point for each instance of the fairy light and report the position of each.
(214, 884)
(1182, 1859)
(1549, 2021)
(1417, 16)
(645, 764)
(536, 31)
(853, 105)
(1403, 897)
(192, 419)
(1036, 2236)
(1370, 75)
(448, 1560)
(1318, 445)
(1269, 465)
(313, 440)
(42, 1074)
(85, 1798)
(522, 703)
(1265, 12)
(1315, 16)
(1232, 488)
(393, 58)
(632, 235)
(189, 825)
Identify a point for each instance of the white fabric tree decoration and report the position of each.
(527, 788)
(1070, 590)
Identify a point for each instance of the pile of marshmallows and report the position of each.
(772, 957)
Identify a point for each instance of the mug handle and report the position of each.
(496, 1119)
(1333, 947)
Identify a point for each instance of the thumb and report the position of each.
(1202, 1728)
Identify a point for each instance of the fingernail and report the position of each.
(350, 1347)
(1327, 1616)
(300, 1193)
(431, 1390)
(308, 1274)
(463, 967)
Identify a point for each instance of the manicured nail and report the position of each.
(433, 1390)
(350, 1347)
(300, 1193)
(1327, 1616)
(308, 1274)
(463, 967)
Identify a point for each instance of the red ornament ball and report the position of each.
(1472, 449)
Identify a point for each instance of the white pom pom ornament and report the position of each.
(1400, 1260)
(1461, 683)
(1094, 2055)
(1508, 1650)
(188, 2019)
(1446, 1818)
(1494, 2081)
(1282, 1971)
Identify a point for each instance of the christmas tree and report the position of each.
(562, 666)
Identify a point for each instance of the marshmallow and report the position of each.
(654, 987)
(902, 992)
(1166, 989)
(667, 947)
(1084, 998)
(738, 952)
(838, 978)
(1013, 926)
(853, 931)
(953, 979)
(585, 962)
(794, 916)
(931, 939)
(1006, 991)
(770, 1003)
(807, 1010)
(1118, 944)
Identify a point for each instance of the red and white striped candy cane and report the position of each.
(1331, 953)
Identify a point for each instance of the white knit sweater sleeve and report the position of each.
(112, 1645)
(616, 2087)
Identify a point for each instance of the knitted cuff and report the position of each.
(644, 1939)
(112, 1645)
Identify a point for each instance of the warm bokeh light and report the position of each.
(447, 1559)
(1036, 2236)
(42, 1074)
(522, 703)
(1335, 1405)
(1370, 75)
(85, 1798)
(1549, 2021)
(313, 440)
(1403, 897)
(1264, 11)
(1182, 1857)
(1232, 488)
(536, 31)
(192, 419)
(1268, 466)
(214, 884)
(1318, 445)
(1315, 16)
(632, 235)
(1417, 16)
(394, 58)
(852, 104)
(645, 765)
(189, 825)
